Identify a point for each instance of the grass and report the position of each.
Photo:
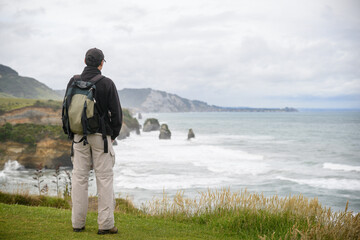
(22, 222)
(33, 200)
(211, 215)
(8, 104)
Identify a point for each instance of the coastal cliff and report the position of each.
(33, 136)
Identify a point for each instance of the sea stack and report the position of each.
(191, 134)
(164, 132)
(151, 124)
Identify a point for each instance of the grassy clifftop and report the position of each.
(213, 215)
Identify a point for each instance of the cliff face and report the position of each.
(48, 152)
(34, 115)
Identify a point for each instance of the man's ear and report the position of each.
(101, 65)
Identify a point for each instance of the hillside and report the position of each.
(13, 85)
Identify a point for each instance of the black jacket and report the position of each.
(107, 98)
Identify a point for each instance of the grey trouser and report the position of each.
(84, 157)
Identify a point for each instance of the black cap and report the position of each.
(93, 57)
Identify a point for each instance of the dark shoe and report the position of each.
(79, 229)
(113, 230)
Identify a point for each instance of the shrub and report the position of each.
(30, 133)
(30, 200)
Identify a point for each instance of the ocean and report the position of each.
(316, 154)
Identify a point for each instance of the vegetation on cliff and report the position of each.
(30, 133)
(129, 120)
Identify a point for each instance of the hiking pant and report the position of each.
(84, 157)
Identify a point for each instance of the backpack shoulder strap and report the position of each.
(77, 77)
(97, 78)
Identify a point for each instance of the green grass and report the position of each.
(23, 222)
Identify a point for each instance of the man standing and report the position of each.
(93, 152)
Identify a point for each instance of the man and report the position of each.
(93, 153)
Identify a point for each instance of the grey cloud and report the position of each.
(29, 12)
(125, 28)
(194, 21)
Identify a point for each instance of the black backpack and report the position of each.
(80, 113)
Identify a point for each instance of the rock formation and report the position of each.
(151, 124)
(164, 132)
(124, 132)
(139, 116)
(191, 134)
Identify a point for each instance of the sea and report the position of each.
(312, 153)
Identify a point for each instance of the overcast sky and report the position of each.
(228, 53)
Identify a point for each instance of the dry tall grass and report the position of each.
(307, 218)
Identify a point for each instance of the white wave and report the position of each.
(248, 137)
(341, 167)
(12, 166)
(3, 178)
(327, 183)
(240, 168)
(130, 172)
(9, 167)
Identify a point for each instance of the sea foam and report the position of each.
(327, 183)
(341, 167)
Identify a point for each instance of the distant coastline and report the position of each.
(329, 109)
(248, 109)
